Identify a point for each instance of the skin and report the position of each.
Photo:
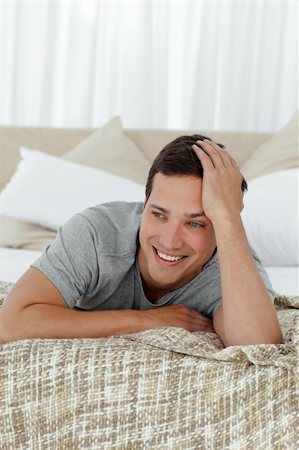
(184, 216)
(174, 224)
(247, 315)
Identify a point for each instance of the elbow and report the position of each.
(5, 336)
(250, 334)
(273, 338)
(9, 329)
(276, 338)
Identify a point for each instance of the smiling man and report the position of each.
(176, 238)
(182, 259)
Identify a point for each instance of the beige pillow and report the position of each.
(108, 149)
(111, 150)
(18, 234)
(278, 153)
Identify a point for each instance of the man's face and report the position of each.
(176, 238)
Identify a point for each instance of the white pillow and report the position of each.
(270, 217)
(48, 190)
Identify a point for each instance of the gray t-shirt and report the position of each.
(93, 264)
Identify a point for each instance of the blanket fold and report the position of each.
(164, 388)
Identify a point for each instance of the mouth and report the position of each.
(169, 260)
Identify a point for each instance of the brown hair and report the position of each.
(178, 158)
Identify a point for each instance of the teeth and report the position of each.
(169, 258)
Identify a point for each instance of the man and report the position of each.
(181, 259)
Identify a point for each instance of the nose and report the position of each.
(171, 237)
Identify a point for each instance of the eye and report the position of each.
(158, 215)
(195, 225)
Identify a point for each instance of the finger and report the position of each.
(197, 319)
(204, 158)
(206, 327)
(205, 324)
(227, 160)
(213, 144)
(213, 152)
(234, 163)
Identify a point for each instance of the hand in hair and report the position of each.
(222, 195)
(247, 315)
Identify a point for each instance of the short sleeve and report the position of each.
(71, 262)
(264, 275)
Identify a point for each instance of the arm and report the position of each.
(36, 309)
(247, 315)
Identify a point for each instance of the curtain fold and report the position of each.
(169, 64)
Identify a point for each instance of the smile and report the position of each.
(169, 258)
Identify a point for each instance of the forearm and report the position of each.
(48, 321)
(249, 316)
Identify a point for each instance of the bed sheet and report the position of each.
(285, 280)
(14, 262)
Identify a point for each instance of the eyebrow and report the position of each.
(190, 216)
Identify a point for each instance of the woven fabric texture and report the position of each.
(160, 389)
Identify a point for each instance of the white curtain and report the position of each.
(229, 65)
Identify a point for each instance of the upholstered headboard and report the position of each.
(58, 141)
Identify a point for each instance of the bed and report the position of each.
(164, 388)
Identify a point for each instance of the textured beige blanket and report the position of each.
(160, 389)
